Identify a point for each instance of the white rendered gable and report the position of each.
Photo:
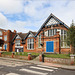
(52, 21)
(18, 37)
(30, 35)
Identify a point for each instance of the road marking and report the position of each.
(47, 66)
(35, 72)
(41, 68)
(12, 74)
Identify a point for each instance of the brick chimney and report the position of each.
(14, 31)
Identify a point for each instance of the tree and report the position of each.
(71, 37)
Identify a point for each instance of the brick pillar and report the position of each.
(0, 54)
(29, 56)
(9, 40)
(57, 42)
(72, 59)
(40, 57)
(12, 54)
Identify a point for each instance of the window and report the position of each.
(5, 46)
(0, 37)
(30, 44)
(64, 39)
(0, 46)
(39, 41)
(5, 37)
(46, 33)
(17, 42)
(0, 32)
(52, 32)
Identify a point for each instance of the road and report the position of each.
(20, 68)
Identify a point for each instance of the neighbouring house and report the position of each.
(51, 37)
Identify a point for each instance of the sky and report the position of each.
(29, 15)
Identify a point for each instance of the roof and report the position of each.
(2, 29)
(22, 35)
(34, 33)
(51, 15)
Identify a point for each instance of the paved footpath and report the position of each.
(71, 67)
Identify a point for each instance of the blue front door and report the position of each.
(50, 46)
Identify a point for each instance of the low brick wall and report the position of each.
(58, 60)
(16, 56)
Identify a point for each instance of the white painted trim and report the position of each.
(41, 68)
(34, 72)
(47, 66)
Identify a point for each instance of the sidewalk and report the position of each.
(71, 67)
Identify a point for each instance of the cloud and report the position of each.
(3, 21)
(25, 15)
(37, 9)
(11, 6)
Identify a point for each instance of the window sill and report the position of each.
(30, 49)
(65, 47)
(39, 47)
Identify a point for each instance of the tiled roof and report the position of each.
(22, 35)
(2, 29)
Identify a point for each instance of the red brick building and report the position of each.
(51, 37)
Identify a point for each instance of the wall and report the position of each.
(58, 60)
(55, 38)
(25, 45)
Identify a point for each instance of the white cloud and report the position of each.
(3, 21)
(11, 6)
(37, 11)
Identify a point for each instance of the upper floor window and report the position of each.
(17, 42)
(50, 32)
(30, 44)
(0, 32)
(5, 37)
(39, 41)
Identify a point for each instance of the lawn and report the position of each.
(21, 53)
(37, 54)
(57, 55)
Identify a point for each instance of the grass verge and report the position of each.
(21, 53)
(58, 55)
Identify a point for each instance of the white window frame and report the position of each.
(30, 44)
(63, 41)
(17, 42)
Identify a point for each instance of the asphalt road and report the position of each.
(19, 68)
